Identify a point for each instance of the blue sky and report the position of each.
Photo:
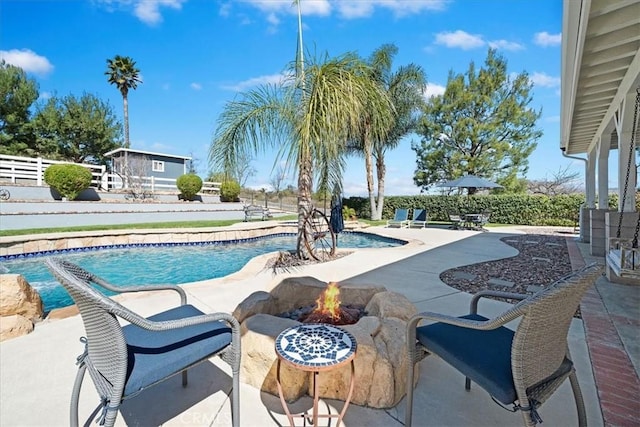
(194, 55)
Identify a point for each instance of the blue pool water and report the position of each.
(157, 264)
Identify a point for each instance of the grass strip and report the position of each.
(146, 225)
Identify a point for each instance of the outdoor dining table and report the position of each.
(472, 220)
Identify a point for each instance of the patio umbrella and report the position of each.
(470, 181)
(336, 221)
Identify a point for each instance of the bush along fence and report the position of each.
(522, 209)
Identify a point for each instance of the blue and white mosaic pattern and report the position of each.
(315, 345)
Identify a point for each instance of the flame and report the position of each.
(328, 302)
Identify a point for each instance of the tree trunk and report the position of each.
(305, 183)
(381, 170)
(125, 103)
(369, 168)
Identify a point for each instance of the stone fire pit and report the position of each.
(381, 361)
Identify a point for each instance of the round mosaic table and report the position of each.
(315, 347)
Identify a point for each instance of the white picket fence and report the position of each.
(28, 170)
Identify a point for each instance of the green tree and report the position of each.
(77, 130)
(309, 121)
(481, 125)
(404, 87)
(123, 73)
(17, 95)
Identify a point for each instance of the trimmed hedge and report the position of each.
(68, 179)
(189, 184)
(229, 191)
(521, 209)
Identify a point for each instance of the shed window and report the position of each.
(157, 166)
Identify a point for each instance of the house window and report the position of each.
(157, 166)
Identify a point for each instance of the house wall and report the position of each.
(173, 167)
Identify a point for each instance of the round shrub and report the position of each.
(229, 191)
(67, 179)
(189, 184)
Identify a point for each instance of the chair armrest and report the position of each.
(124, 289)
(473, 308)
(456, 321)
(167, 325)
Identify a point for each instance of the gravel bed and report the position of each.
(543, 258)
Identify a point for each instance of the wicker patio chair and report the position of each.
(125, 360)
(522, 367)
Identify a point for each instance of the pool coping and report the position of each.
(41, 245)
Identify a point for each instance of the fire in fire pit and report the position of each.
(328, 309)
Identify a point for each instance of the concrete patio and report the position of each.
(37, 370)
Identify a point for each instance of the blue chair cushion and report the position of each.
(482, 356)
(156, 355)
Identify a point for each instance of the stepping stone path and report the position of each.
(501, 282)
(534, 288)
(463, 276)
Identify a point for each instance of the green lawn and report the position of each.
(154, 225)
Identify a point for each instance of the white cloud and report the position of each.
(44, 96)
(225, 9)
(148, 11)
(195, 86)
(433, 90)
(255, 81)
(273, 19)
(350, 9)
(316, 7)
(544, 80)
(460, 39)
(28, 60)
(505, 45)
(552, 119)
(545, 39)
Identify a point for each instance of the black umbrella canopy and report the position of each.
(470, 181)
(336, 221)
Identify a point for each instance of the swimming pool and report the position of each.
(166, 263)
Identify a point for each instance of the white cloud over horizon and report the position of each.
(345, 9)
(466, 41)
(460, 39)
(147, 11)
(545, 39)
(28, 60)
(255, 81)
(544, 80)
(433, 89)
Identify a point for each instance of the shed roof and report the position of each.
(149, 153)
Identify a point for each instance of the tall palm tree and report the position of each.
(308, 120)
(405, 88)
(123, 73)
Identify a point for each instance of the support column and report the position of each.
(603, 169)
(626, 162)
(598, 242)
(590, 179)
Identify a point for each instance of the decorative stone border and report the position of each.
(46, 244)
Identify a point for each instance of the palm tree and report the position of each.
(123, 73)
(405, 88)
(308, 120)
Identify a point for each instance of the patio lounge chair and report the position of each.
(419, 218)
(522, 367)
(400, 219)
(125, 360)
